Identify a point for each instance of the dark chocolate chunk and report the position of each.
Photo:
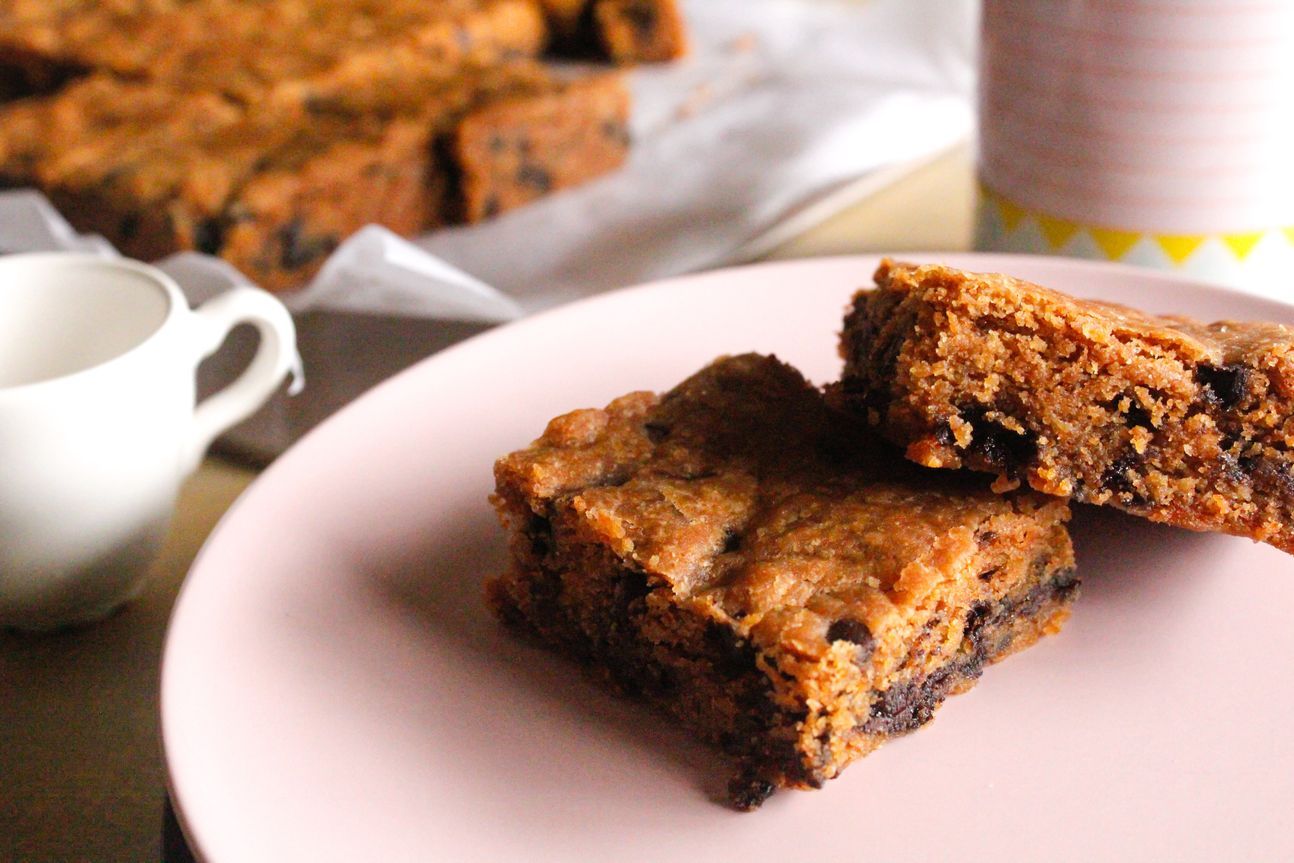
(656, 432)
(748, 790)
(1270, 473)
(299, 249)
(1136, 415)
(852, 630)
(975, 620)
(536, 178)
(1116, 479)
(1225, 386)
(616, 132)
(644, 18)
(733, 656)
(540, 531)
(999, 446)
(1065, 581)
(128, 227)
(907, 706)
(731, 542)
(944, 435)
(209, 236)
(630, 590)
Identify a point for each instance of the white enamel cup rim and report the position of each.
(54, 261)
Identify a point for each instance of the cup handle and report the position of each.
(275, 356)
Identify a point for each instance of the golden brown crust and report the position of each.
(722, 539)
(1177, 420)
(267, 47)
(521, 148)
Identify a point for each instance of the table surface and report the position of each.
(81, 774)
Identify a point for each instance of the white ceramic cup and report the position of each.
(98, 425)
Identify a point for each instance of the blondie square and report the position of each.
(623, 31)
(275, 187)
(1176, 420)
(729, 554)
(125, 160)
(521, 148)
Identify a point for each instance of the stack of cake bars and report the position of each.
(266, 131)
(799, 574)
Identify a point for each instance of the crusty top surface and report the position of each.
(738, 490)
(1220, 342)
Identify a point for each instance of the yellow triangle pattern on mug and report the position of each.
(1179, 247)
(1242, 244)
(1057, 231)
(1115, 243)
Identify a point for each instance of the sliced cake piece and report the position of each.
(1180, 421)
(730, 554)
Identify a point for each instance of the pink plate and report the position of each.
(334, 690)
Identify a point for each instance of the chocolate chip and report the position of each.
(1231, 468)
(976, 619)
(616, 132)
(1116, 479)
(903, 707)
(987, 575)
(128, 227)
(536, 178)
(748, 790)
(1136, 415)
(1065, 581)
(733, 656)
(656, 432)
(1270, 473)
(999, 446)
(299, 249)
(630, 588)
(643, 17)
(540, 532)
(1225, 386)
(731, 542)
(852, 630)
(209, 236)
(944, 435)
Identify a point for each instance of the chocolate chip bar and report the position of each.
(275, 187)
(728, 553)
(1179, 421)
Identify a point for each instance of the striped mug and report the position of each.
(1154, 132)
